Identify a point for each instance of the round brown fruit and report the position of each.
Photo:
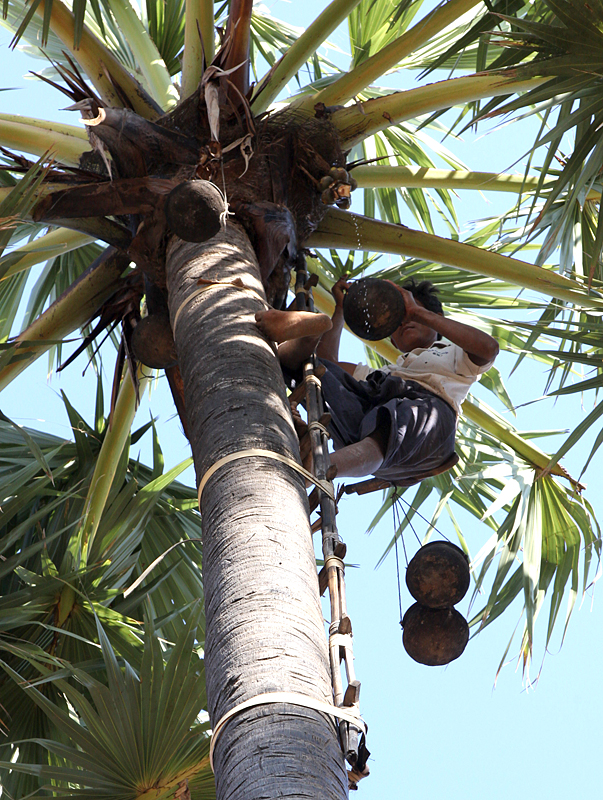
(152, 342)
(193, 210)
(339, 174)
(438, 575)
(434, 636)
(325, 182)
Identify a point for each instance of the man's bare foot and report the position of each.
(281, 326)
(300, 425)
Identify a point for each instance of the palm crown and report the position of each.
(82, 520)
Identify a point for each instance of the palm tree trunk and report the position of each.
(265, 630)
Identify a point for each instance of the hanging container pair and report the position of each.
(437, 577)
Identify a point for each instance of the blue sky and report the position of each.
(434, 732)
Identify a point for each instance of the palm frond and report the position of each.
(136, 732)
(165, 25)
(73, 309)
(115, 84)
(156, 74)
(377, 24)
(49, 597)
(304, 47)
(344, 229)
(357, 122)
(199, 43)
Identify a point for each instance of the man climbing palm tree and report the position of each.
(398, 422)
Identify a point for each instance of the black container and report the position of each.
(438, 575)
(434, 636)
(373, 308)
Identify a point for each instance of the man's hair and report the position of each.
(425, 293)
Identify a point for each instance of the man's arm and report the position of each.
(479, 346)
(328, 346)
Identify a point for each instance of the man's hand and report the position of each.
(328, 347)
(339, 289)
(413, 309)
(479, 346)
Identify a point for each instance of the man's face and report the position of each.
(412, 335)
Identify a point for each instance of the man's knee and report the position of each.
(358, 459)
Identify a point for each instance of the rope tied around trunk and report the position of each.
(294, 698)
(323, 485)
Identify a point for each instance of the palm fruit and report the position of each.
(373, 308)
(152, 342)
(325, 182)
(328, 197)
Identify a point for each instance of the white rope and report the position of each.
(334, 561)
(285, 697)
(325, 486)
(318, 426)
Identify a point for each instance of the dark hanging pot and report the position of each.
(373, 308)
(193, 210)
(152, 342)
(434, 636)
(438, 575)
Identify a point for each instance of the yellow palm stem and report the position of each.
(39, 140)
(347, 230)
(98, 62)
(149, 60)
(300, 51)
(199, 19)
(353, 82)
(73, 309)
(45, 124)
(376, 177)
(108, 459)
(56, 243)
(361, 120)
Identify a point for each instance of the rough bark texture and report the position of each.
(265, 630)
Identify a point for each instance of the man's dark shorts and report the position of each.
(418, 426)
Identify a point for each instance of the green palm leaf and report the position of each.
(136, 733)
(49, 610)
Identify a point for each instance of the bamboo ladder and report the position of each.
(332, 574)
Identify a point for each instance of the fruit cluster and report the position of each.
(336, 188)
(438, 578)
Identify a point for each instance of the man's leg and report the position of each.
(296, 332)
(354, 461)
(357, 460)
(364, 457)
